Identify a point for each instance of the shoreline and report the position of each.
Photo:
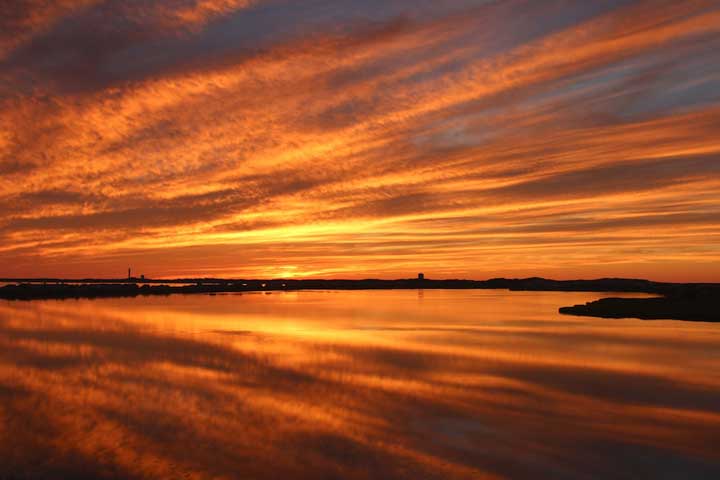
(40, 289)
(672, 301)
(688, 308)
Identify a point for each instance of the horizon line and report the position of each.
(290, 279)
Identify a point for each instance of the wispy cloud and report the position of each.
(361, 138)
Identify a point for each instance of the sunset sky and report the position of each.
(360, 138)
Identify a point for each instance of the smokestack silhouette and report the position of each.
(129, 276)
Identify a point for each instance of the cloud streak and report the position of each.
(351, 139)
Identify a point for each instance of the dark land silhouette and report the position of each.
(692, 304)
(674, 300)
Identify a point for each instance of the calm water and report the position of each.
(353, 385)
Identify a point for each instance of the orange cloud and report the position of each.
(345, 146)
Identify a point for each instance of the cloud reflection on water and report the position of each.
(327, 385)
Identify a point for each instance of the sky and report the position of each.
(360, 139)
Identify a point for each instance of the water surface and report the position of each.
(353, 385)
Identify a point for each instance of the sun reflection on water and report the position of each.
(390, 384)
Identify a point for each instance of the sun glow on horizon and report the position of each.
(342, 139)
